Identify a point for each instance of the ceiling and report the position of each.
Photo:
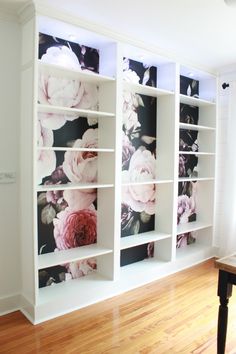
(201, 32)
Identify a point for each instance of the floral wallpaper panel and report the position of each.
(185, 239)
(188, 114)
(139, 73)
(189, 86)
(74, 270)
(188, 166)
(136, 254)
(66, 219)
(138, 163)
(186, 209)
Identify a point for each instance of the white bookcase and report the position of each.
(110, 278)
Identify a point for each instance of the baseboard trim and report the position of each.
(10, 304)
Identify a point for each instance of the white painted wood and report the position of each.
(110, 279)
(61, 72)
(71, 255)
(50, 148)
(195, 127)
(192, 226)
(145, 90)
(192, 101)
(140, 239)
(73, 111)
(71, 186)
(155, 181)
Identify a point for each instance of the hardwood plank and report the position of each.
(177, 314)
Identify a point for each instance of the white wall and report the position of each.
(221, 226)
(9, 156)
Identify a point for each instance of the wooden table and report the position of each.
(226, 279)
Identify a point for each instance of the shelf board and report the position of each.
(195, 127)
(140, 239)
(196, 153)
(71, 255)
(85, 76)
(45, 108)
(52, 148)
(146, 90)
(192, 250)
(186, 179)
(54, 187)
(192, 101)
(192, 226)
(155, 181)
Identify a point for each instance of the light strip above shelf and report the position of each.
(75, 112)
(53, 187)
(62, 72)
(71, 255)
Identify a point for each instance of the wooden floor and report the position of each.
(177, 314)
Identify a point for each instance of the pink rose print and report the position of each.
(74, 229)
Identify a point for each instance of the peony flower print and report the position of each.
(187, 203)
(79, 199)
(75, 228)
(131, 102)
(141, 169)
(127, 151)
(61, 55)
(82, 268)
(185, 239)
(46, 162)
(81, 166)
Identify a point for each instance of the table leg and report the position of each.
(224, 293)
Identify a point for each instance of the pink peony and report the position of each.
(186, 206)
(79, 199)
(75, 228)
(61, 55)
(82, 268)
(127, 151)
(64, 92)
(81, 166)
(141, 169)
(46, 159)
(131, 101)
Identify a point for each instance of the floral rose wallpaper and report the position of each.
(188, 141)
(67, 218)
(138, 160)
(186, 210)
(73, 270)
(189, 87)
(185, 239)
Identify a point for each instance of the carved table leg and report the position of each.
(224, 293)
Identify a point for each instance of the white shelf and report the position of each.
(196, 153)
(191, 251)
(59, 71)
(145, 90)
(71, 255)
(187, 179)
(44, 108)
(140, 239)
(195, 127)
(192, 226)
(54, 187)
(192, 101)
(155, 181)
(52, 148)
